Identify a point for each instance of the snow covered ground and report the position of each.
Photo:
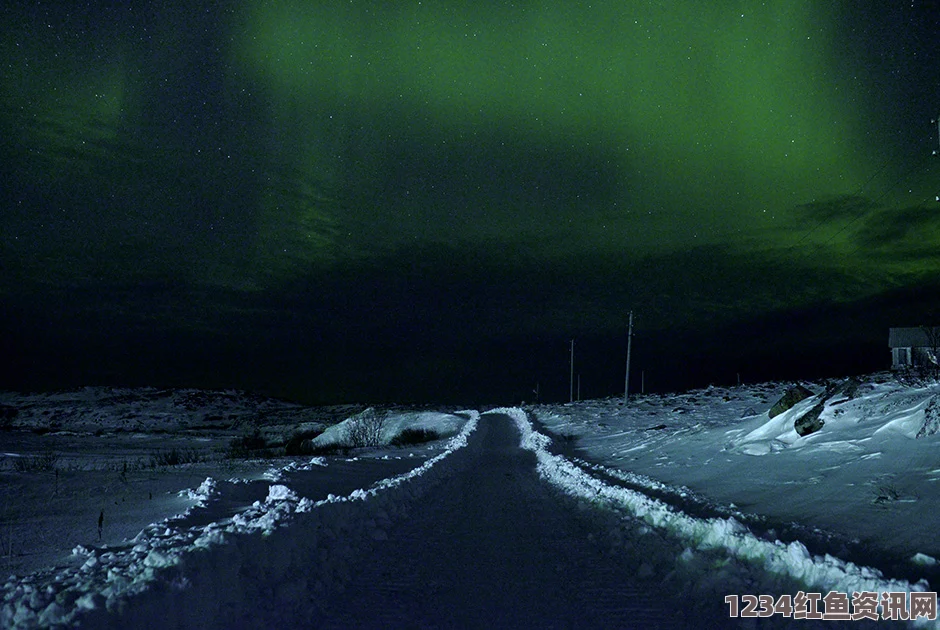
(68, 457)
(671, 502)
(869, 478)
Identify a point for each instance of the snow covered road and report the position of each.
(497, 546)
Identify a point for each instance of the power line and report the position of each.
(857, 193)
(876, 201)
(859, 246)
(910, 173)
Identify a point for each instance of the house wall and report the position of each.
(900, 358)
(911, 357)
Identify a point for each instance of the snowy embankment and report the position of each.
(726, 535)
(191, 577)
(868, 476)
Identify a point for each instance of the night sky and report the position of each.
(421, 201)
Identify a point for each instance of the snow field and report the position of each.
(704, 537)
(208, 576)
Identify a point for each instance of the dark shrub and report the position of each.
(174, 457)
(334, 448)
(365, 429)
(247, 445)
(299, 443)
(415, 436)
(44, 462)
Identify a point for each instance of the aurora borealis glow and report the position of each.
(341, 200)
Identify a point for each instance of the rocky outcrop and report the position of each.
(931, 419)
(790, 398)
(810, 422)
(836, 393)
(848, 389)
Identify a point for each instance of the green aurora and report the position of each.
(707, 119)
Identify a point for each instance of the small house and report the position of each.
(914, 347)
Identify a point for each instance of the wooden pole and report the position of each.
(571, 383)
(626, 384)
(938, 134)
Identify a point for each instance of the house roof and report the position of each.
(909, 337)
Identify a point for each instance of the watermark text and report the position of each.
(837, 606)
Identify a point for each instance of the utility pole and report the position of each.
(937, 121)
(936, 152)
(571, 386)
(626, 383)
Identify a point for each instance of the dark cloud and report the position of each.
(845, 207)
(900, 229)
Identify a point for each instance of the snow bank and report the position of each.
(816, 573)
(202, 494)
(196, 577)
(276, 473)
(885, 410)
(392, 424)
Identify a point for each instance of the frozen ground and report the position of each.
(642, 515)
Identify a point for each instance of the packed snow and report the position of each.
(714, 496)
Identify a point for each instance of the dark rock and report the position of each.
(931, 419)
(810, 422)
(792, 396)
(849, 388)
(841, 392)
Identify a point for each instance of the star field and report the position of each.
(307, 196)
